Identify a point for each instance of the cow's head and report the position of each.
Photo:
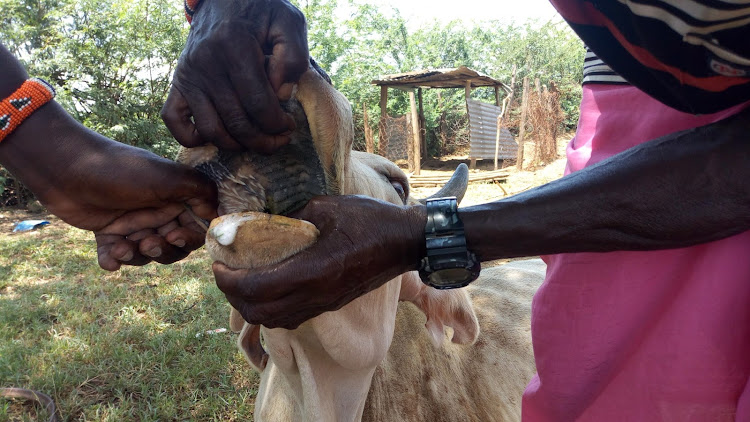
(322, 370)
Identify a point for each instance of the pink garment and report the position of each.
(641, 336)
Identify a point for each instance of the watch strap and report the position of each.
(447, 264)
(444, 229)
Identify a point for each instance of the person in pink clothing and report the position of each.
(645, 313)
(640, 336)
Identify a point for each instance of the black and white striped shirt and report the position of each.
(693, 55)
(595, 71)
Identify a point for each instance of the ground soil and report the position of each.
(482, 192)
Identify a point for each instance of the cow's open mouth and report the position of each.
(280, 183)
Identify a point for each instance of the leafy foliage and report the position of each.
(110, 59)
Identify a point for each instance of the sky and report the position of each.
(420, 11)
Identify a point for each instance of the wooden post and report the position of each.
(442, 125)
(504, 114)
(498, 130)
(369, 141)
(422, 124)
(497, 96)
(549, 152)
(382, 129)
(415, 132)
(409, 143)
(538, 85)
(507, 109)
(522, 125)
(467, 94)
(554, 97)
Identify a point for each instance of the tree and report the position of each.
(111, 60)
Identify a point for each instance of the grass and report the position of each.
(114, 346)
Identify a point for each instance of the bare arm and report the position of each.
(131, 198)
(682, 189)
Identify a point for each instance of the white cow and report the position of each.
(388, 355)
(483, 381)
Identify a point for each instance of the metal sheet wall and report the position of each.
(483, 130)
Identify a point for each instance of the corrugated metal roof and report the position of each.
(439, 78)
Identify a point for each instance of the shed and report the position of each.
(482, 116)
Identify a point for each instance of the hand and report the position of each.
(131, 198)
(354, 254)
(164, 235)
(240, 59)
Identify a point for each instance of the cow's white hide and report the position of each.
(323, 371)
(325, 366)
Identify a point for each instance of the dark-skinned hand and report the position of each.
(240, 59)
(355, 253)
(132, 199)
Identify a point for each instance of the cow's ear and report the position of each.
(450, 308)
(251, 347)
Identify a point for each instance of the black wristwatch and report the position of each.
(448, 264)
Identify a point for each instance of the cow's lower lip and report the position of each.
(221, 211)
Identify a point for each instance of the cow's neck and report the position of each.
(323, 390)
(328, 362)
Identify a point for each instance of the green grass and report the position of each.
(115, 346)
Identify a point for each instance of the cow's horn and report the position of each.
(456, 186)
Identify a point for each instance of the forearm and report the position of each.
(20, 152)
(676, 191)
(12, 71)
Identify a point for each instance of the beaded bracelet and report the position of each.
(32, 94)
(190, 6)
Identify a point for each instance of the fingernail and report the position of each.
(179, 243)
(153, 253)
(127, 257)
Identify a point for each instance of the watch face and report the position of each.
(447, 264)
(450, 278)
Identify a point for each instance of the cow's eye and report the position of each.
(401, 188)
